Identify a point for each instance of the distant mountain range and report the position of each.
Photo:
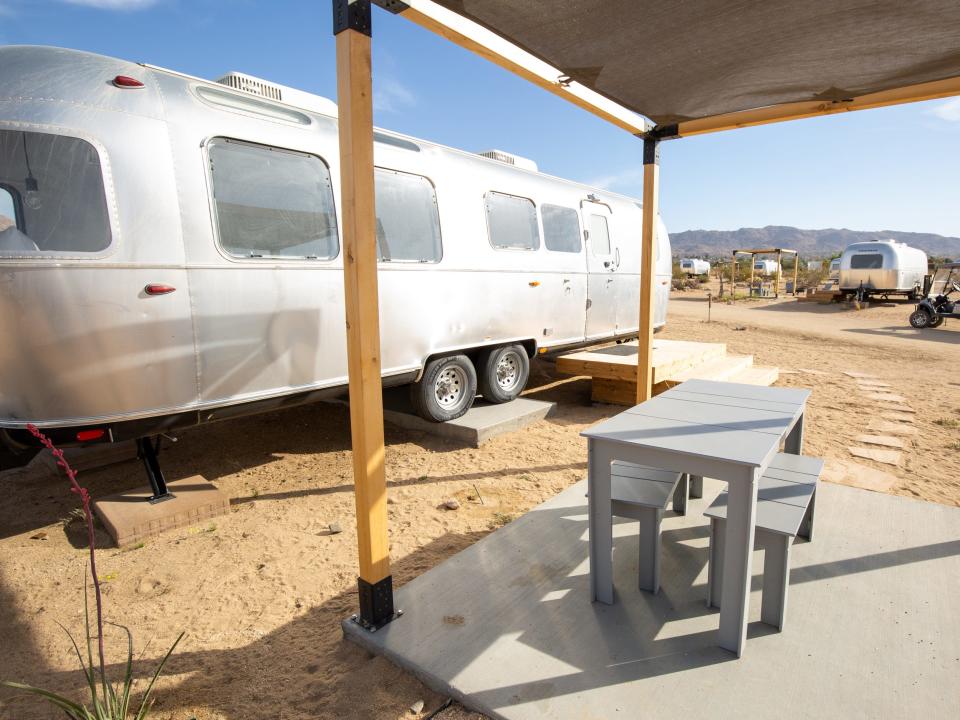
(809, 243)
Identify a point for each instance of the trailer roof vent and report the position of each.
(510, 159)
(279, 93)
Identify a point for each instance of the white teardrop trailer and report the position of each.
(170, 255)
(694, 266)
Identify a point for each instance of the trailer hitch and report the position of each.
(147, 451)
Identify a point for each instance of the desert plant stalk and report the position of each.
(110, 703)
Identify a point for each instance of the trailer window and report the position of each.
(408, 224)
(561, 228)
(272, 203)
(51, 195)
(873, 261)
(511, 222)
(599, 235)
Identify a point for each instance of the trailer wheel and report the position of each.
(920, 319)
(503, 373)
(446, 390)
(936, 321)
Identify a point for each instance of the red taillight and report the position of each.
(88, 435)
(157, 289)
(125, 81)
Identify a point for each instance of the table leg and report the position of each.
(696, 486)
(776, 579)
(794, 441)
(737, 562)
(601, 523)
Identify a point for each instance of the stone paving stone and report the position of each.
(887, 457)
(885, 440)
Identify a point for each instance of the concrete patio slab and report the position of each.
(871, 630)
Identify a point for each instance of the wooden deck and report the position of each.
(613, 369)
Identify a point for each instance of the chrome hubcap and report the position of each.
(450, 386)
(508, 371)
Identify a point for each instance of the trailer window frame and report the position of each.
(546, 236)
(38, 171)
(436, 229)
(335, 246)
(535, 225)
(855, 257)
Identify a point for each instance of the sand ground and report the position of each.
(262, 590)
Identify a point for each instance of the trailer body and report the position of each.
(172, 254)
(882, 267)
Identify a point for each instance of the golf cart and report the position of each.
(937, 305)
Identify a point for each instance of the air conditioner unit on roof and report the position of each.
(279, 93)
(510, 159)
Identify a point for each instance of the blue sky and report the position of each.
(889, 169)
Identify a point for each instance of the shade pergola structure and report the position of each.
(763, 251)
(657, 70)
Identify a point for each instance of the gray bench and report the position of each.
(785, 502)
(643, 493)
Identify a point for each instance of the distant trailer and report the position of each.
(765, 267)
(882, 267)
(691, 266)
(835, 269)
(814, 265)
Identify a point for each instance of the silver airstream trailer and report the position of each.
(170, 254)
(765, 267)
(693, 266)
(882, 267)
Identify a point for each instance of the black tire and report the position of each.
(920, 319)
(936, 322)
(503, 373)
(446, 390)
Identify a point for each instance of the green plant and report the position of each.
(109, 702)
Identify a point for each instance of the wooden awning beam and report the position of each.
(765, 251)
(935, 90)
(487, 44)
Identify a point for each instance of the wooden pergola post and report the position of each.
(776, 292)
(733, 277)
(796, 267)
(648, 278)
(352, 28)
(753, 271)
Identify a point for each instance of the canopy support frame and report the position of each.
(648, 265)
(352, 29)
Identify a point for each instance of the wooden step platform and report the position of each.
(824, 296)
(613, 370)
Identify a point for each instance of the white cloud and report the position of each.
(114, 4)
(621, 180)
(392, 96)
(949, 110)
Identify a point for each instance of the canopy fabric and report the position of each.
(687, 59)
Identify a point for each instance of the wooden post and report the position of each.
(352, 28)
(796, 267)
(776, 293)
(648, 278)
(733, 277)
(753, 270)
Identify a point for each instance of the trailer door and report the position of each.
(602, 261)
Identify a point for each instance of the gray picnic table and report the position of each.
(727, 431)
